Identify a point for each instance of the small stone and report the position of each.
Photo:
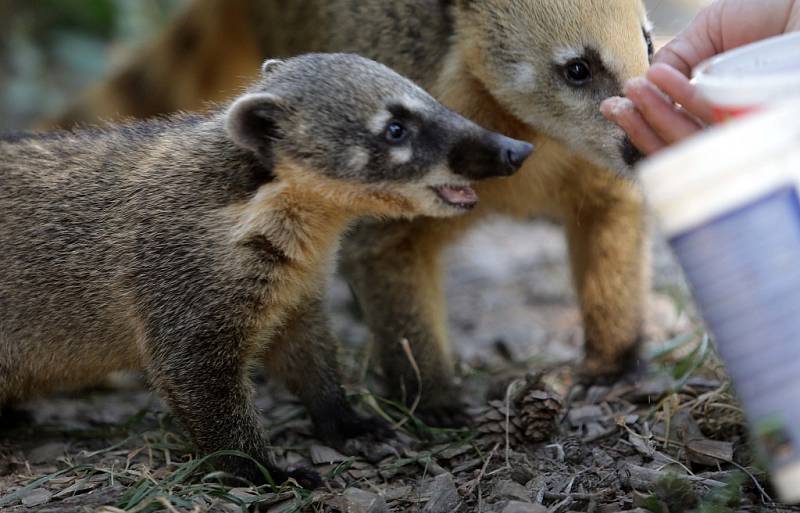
(444, 497)
(321, 454)
(523, 507)
(36, 497)
(47, 453)
(522, 474)
(393, 494)
(507, 489)
(283, 507)
(602, 458)
(585, 414)
(355, 500)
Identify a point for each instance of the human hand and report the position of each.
(663, 107)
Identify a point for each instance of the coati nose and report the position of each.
(630, 153)
(489, 155)
(514, 153)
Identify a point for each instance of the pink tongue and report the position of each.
(458, 195)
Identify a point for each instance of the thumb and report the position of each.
(694, 44)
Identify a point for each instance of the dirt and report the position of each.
(673, 441)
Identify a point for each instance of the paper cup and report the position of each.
(728, 202)
(751, 77)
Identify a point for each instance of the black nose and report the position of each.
(630, 153)
(515, 153)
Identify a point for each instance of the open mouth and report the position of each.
(461, 196)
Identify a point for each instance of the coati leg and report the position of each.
(305, 355)
(607, 241)
(201, 374)
(395, 270)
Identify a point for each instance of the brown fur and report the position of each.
(465, 53)
(191, 246)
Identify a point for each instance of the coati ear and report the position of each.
(269, 66)
(252, 122)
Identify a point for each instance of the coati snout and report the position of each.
(391, 137)
(552, 62)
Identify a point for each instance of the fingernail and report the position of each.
(617, 107)
(634, 86)
(607, 107)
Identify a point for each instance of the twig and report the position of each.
(563, 504)
(418, 375)
(571, 393)
(477, 481)
(764, 494)
(511, 386)
(569, 486)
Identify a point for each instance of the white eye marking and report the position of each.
(378, 122)
(358, 159)
(401, 155)
(566, 54)
(524, 77)
(412, 104)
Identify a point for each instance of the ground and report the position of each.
(672, 442)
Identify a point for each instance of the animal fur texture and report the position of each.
(193, 246)
(532, 69)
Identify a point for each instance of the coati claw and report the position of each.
(451, 416)
(305, 477)
(338, 431)
(628, 367)
(249, 472)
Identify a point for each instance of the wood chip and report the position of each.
(36, 497)
(323, 455)
(709, 452)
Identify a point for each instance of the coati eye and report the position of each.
(577, 72)
(396, 133)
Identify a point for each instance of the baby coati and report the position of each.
(533, 69)
(192, 246)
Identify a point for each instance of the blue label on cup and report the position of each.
(744, 270)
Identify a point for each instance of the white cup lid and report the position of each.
(754, 74)
(728, 153)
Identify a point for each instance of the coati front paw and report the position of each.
(337, 429)
(247, 471)
(449, 415)
(443, 408)
(305, 477)
(627, 366)
(357, 435)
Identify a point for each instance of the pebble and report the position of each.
(444, 497)
(36, 497)
(507, 489)
(355, 500)
(523, 507)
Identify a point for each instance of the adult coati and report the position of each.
(193, 245)
(533, 69)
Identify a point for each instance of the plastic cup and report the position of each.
(751, 77)
(728, 202)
